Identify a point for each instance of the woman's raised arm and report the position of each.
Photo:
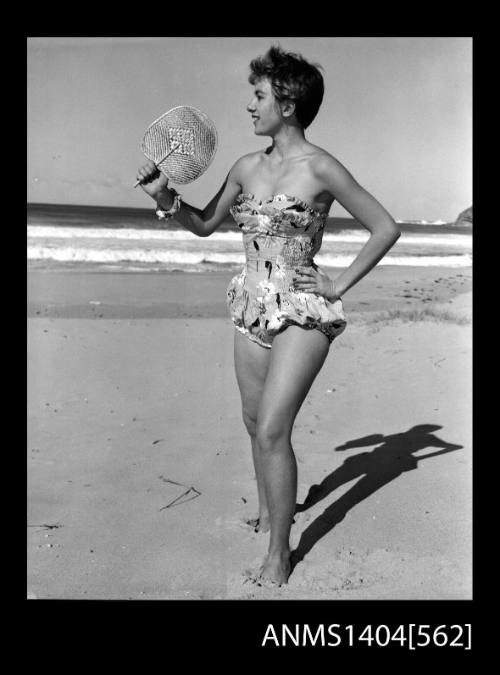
(201, 222)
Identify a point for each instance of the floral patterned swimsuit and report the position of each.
(279, 234)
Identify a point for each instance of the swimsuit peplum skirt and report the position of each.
(279, 235)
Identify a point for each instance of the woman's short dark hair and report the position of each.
(292, 78)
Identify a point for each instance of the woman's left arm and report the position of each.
(384, 231)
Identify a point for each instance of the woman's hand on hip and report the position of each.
(311, 280)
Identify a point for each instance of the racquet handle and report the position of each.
(175, 145)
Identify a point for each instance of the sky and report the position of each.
(397, 113)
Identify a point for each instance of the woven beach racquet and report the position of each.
(182, 143)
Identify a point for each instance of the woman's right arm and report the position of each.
(200, 222)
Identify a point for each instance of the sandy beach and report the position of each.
(140, 477)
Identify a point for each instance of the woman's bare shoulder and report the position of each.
(247, 163)
(327, 167)
(321, 159)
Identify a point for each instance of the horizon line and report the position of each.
(401, 221)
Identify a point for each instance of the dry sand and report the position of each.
(133, 401)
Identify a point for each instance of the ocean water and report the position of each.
(118, 239)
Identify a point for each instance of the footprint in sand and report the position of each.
(246, 580)
(233, 523)
(342, 575)
(254, 524)
(247, 523)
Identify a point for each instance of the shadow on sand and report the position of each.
(394, 456)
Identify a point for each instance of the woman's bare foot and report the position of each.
(276, 568)
(260, 524)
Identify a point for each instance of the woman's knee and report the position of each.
(271, 433)
(250, 422)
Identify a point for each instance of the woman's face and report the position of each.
(265, 109)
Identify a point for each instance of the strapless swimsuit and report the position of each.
(279, 234)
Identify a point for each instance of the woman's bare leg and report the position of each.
(297, 356)
(251, 362)
(261, 523)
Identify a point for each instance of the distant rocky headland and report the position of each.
(465, 218)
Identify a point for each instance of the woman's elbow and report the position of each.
(392, 231)
(396, 232)
(387, 230)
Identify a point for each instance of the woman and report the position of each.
(285, 309)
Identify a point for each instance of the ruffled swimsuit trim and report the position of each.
(243, 196)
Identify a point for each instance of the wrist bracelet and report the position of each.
(165, 215)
